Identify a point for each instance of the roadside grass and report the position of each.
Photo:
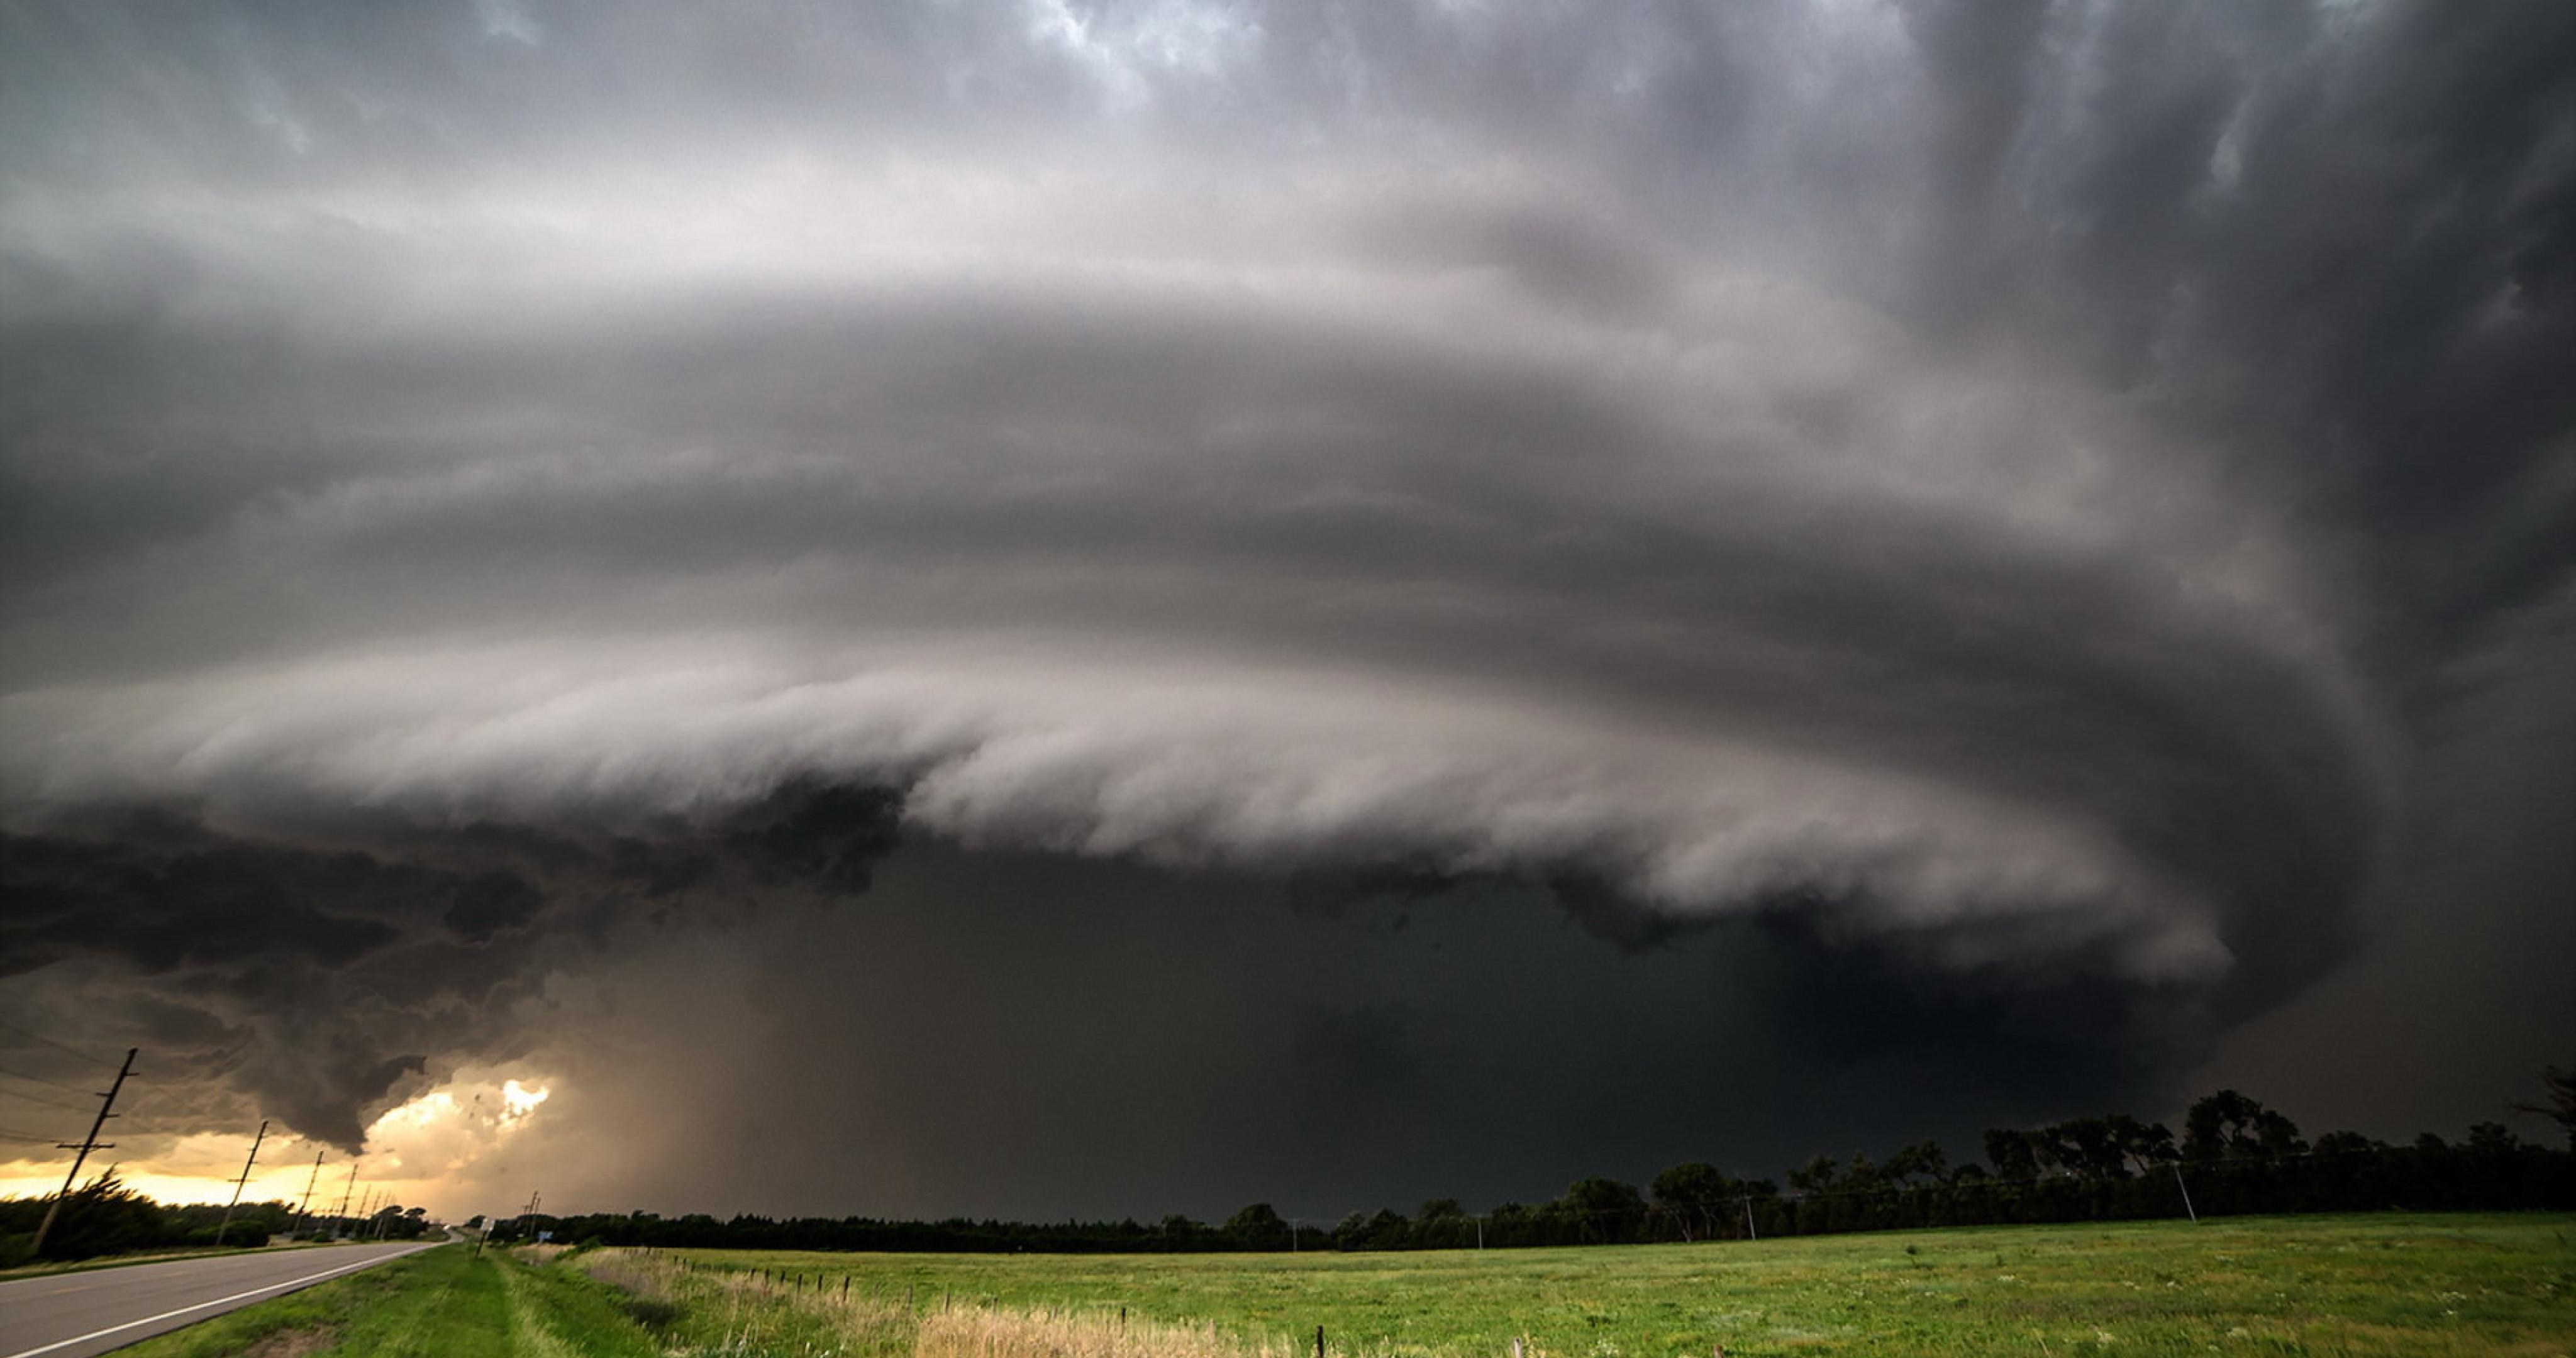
(694, 1311)
(437, 1294)
(440, 1303)
(2338, 1285)
(731, 1311)
(558, 1312)
(2447, 1286)
(986, 1332)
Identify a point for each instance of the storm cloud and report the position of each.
(2018, 515)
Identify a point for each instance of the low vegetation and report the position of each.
(2379, 1285)
(105, 1217)
(2447, 1286)
(443, 1302)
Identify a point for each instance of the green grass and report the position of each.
(2339, 1285)
(2347, 1285)
(441, 1303)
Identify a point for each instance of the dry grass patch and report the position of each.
(292, 1344)
(986, 1332)
(2374, 1286)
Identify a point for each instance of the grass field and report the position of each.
(2378, 1285)
(441, 1303)
(2449, 1285)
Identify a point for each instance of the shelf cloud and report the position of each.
(2016, 505)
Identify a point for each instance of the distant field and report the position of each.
(2326, 1286)
(2450, 1285)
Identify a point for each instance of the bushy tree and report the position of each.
(1815, 1176)
(2143, 1145)
(1258, 1227)
(1922, 1160)
(2229, 1126)
(105, 1217)
(2009, 1150)
(2347, 1143)
(1691, 1195)
(2492, 1138)
(1387, 1230)
(2558, 1102)
(2082, 1148)
(1604, 1209)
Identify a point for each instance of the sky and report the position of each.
(1048, 609)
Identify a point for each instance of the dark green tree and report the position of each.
(2492, 1138)
(1815, 1176)
(1258, 1227)
(1922, 1160)
(1442, 1223)
(104, 1216)
(2010, 1151)
(1691, 1195)
(1861, 1175)
(1603, 1209)
(2559, 1101)
(2083, 1148)
(2229, 1126)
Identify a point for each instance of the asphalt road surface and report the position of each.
(72, 1315)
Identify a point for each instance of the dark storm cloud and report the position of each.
(1996, 493)
(437, 939)
(1100, 1039)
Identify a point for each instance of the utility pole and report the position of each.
(87, 1144)
(2186, 1193)
(226, 1224)
(528, 1214)
(341, 1218)
(309, 1181)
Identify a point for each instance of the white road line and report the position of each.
(237, 1296)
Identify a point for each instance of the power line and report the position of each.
(39, 1098)
(226, 1223)
(340, 1219)
(76, 1089)
(309, 1180)
(57, 1046)
(106, 1106)
(14, 1134)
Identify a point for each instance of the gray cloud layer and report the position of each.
(1999, 491)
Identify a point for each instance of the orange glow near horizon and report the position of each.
(417, 1153)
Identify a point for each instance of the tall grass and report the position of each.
(714, 1312)
(995, 1332)
(2339, 1287)
(702, 1313)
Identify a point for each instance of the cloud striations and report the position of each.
(2002, 495)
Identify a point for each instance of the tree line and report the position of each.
(2235, 1156)
(105, 1217)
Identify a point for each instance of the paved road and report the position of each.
(73, 1315)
